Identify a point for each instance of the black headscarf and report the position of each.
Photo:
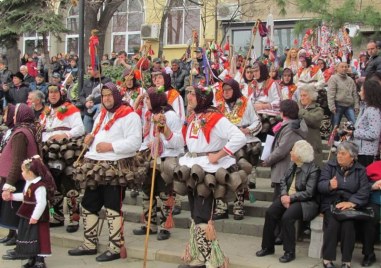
(236, 90)
(204, 100)
(116, 95)
(264, 72)
(287, 70)
(9, 122)
(167, 80)
(158, 101)
(62, 99)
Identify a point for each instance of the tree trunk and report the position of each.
(166, 10)
(106, 10)
(13, 56)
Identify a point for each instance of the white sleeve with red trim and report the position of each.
(229, 132)
(176, 140)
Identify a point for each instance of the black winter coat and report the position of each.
(307, 177)
(352, 187)
(87, 89)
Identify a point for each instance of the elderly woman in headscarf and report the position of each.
(167, 123)
(343, 182)
(21, 145)
(9, 113)
(241, 113)
(212, 141)
(312, 114)
(297, 201)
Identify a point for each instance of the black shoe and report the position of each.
(252, 185)
(143, 231)
(287, 257)
(238, 217)
(278, 241)
(344, 265)
(11, 256)
(72, 228)
(368, 260)
(5, 239)
(176, 210)
(56, 224)
(163, 235)
(30, 263)
(11, 242)
(40, 262)
(328, 265)
(134, 193)
(264, 252)
(108, 256)
(220, 216)
(80, 251)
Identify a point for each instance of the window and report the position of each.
(126, 24)
(72, 24)
(182, 19)
(33, 41)
(285, 37)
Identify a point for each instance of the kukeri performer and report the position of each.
(241, 113)
(266, 98)
(115, 138)
(212, 141)
(164, 120)
(60, 122)
(132, 93)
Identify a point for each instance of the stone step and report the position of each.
(252, 226)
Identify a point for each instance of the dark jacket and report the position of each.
(353, 187)
(87, 89)
(178, 79)
(42, 87)
(307, 177)
(373, 66)
(5, 77)
(279, 159)
(17, 94)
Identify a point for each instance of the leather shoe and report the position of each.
(368, 260)
(80, 251)
(220, 216)
(11, 242)
(265, 251)
(72, 228)
(11, 256)
(344, 265)
(134, 193)
(5, 239)
(252, 185)
(287, 257)
(143, 231)
(176, 210)
(108, 256)
(328, 265)
(163, 235)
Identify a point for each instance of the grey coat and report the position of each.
(279, 159)
(368, 130)
(313, 115)
(307, 177)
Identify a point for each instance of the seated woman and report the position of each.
(287, 85)
(297, 201)
(343, 181)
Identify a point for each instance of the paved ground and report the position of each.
(240, 250)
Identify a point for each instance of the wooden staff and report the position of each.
(156, 149)
(254, 31)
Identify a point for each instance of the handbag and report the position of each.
(360, 214)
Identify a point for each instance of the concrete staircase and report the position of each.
(251, 225)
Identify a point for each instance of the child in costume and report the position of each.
(33, 231)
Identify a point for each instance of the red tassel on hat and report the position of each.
(150, 51)
(227, 46)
